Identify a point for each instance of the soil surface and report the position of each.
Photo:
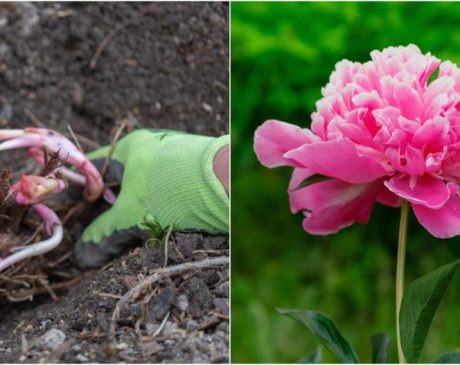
(91, 65)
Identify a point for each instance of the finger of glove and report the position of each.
(90, 255)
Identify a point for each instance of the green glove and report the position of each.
(167, 175)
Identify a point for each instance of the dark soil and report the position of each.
(165, 66)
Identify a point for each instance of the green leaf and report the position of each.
(312, 180)
(313, 358)
(420, 302)
(380, 343)
(324, 329)
(448, 358)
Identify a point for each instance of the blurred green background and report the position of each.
(282, 54)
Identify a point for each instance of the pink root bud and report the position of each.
(49, 217)
(32, 189)
(41, 138)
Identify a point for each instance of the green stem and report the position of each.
(400, 272)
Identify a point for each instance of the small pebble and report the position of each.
(121, 346)
(161, 304)
(81, 358)
(76, 347)
(151, 328)
(53, 338)
(206, 107)
(182, 302)
(169, 342)
(192, 325)
(169, 328)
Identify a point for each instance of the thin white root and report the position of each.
(11, 133)
(72, 176)
(35, 249)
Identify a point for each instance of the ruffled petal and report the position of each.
(338, 159)
(443, 222)
(424, 190)
(386, 197)
(274, 138)
(415, 161)
(433, 133)
(331, 205)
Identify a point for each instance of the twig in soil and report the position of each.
(49, 289)
(220, 85)
(20, 267)
(24, 344)
(14, 299)
(15, 281)
(210, 252)
(72, 211)
(157, 275)
(90, 143)
(56, 354)
(139, 338)
(112, 147)
(222, 316)
(59, 260)
(19, 326)
(65, 13)
(4, 185)
(179, 253)
(28, 276)
(29, 294)
(74, 137)
(34, 118)
(108, 295)
(100, 48)
(162, 325)
(30, 239)
(62, 274)
(107, 266)
(134, 121)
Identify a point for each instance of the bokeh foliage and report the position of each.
(282, 54)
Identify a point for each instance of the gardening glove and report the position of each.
(166, 177)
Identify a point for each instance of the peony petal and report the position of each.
(298, 176)
(408, 99)
(386, 197)
(356, 134)
(274, 138)
(367, 99)
(415, 161)
(424, 190)
(331, 205)
(387, 117)
(443, 222)
(337, 159)
(433, 133)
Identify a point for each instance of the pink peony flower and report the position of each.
(381, 133)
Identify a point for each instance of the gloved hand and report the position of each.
(164, 174)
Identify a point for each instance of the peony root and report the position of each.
(34, 190)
